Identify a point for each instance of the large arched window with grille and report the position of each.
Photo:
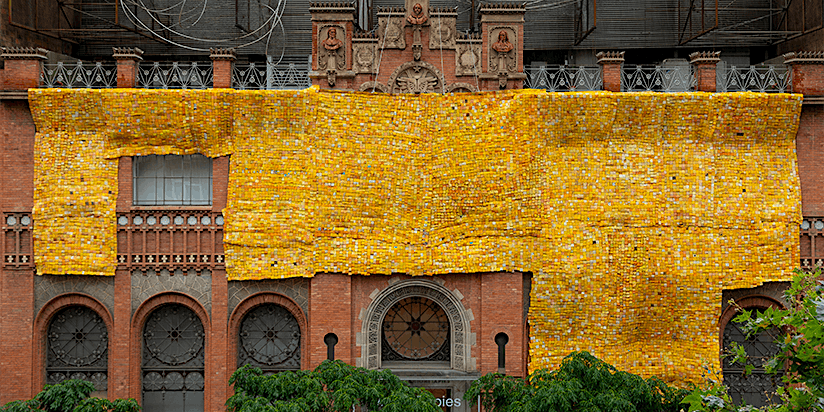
(415, 329)
(269, 338)
(173, 360)
(758, 388)
(77, 347)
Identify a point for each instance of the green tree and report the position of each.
(582, 383)
(70, 396)
(800, 356)
(332, 386)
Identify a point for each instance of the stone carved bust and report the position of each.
(503, 45)
(417, 17)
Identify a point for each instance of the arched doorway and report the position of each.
(78, 348)
(758, 387)
(173, 360)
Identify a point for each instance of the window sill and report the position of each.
(178, 207)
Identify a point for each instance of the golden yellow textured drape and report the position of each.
(633, 210)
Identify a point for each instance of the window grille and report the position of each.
(78, 346)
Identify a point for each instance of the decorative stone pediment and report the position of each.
(416, 77)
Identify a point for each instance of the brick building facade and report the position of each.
(172, 256)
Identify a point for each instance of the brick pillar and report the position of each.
(807, 71)
(704, 65)
(16, 361)
(330, 311)
(223, 363)
(23, 67)
(611, 63)
(127, 60)
(120, 339)
(222, 62)
(496, 318)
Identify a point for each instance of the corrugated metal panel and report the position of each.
(550, 25)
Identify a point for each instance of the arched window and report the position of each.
(269, 338)
(417, 321)
(77, 347)
(758, 388)
(173, 360)
(415, 329)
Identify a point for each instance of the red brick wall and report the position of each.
(808, 79)
(16, 156)
(810, 149)
(17, 307)
(330, 311)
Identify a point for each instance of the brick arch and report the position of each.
(41, 327)
(136, 332)
(262, 298)
(747, 302)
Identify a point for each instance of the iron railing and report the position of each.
(657, 79)
(174, 75)
(563, 78)
(78, 75)
(271, 76)
(763, 79)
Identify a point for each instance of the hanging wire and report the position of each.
(380, 55)
(264, 31)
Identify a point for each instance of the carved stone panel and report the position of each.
(390, 31)
(503, 50)
(416, 78)
(364, 56)
(332, 47)
(442, 31)
(468, 59)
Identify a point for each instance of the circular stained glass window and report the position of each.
(416, 328)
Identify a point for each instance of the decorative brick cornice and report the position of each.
(335, 7)
(610, 57)
(503, 8)
(705, 57)
(127, 53)
(469, 38)
(443, 12)
(364, 36)
(391, 11)
(804, 57)
(223, 54)
(23, 53)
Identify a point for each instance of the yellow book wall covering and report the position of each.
(632, 210)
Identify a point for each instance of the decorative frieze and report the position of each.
(364, 53)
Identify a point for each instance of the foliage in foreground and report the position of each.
(583, 383)
(70, 396)
(332, 386)
(801, 352)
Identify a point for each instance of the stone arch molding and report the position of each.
(461, 339)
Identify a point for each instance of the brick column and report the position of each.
(330, 311)
(127, 60)
(23, 67)
(807, 71)
(704, 65)
(222, 62)
(611, 63)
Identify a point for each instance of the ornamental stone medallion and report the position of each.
(468, 58)
(390, 30)
(364, 53)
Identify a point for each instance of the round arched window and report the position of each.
(269, 339)
(77, 347)
(415, 329)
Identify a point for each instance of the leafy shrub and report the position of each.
(332, 386)
(801, 352)
(70, 396)
(583, 383)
